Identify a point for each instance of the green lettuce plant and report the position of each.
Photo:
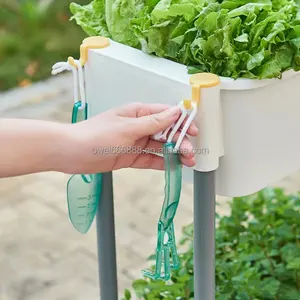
(257, 253)
(231, 38)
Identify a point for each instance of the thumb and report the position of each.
(151, 124)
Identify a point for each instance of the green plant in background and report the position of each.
(257, 253)
(34, 34)
(231, 38)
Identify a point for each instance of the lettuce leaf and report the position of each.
(232, 38)
(91, 17)
(118, 15)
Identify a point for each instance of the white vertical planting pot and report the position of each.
(250, 129)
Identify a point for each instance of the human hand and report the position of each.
(118, 138)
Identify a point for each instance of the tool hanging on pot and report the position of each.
(83, 190)
(166, 252)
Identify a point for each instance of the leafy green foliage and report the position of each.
(241, 38)
(257, 253)
(34, 35)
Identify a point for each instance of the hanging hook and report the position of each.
(81, 84)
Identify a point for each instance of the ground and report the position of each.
(41, 255)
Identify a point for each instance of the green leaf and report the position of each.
(118, 15)
(91, 17)
(139, 287)
(294, 264)
(255, 60)
(259, 262)
(249, 39)
(269, 288)
(127, 294)
(288, 292)
(243, 38)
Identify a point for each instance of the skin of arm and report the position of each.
(88, 147)
(31, 146)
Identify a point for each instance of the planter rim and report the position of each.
(124, 54)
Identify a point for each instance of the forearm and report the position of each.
(31, 146)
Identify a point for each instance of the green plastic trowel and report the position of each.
(83, 190)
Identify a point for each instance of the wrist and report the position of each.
(66, 156)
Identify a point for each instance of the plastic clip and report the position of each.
(188, 109)
(206, 97)
(93, 42)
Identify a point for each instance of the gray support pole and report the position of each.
(204, 235)
(106, 242)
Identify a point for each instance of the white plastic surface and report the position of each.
(260, 119)
(208, 144)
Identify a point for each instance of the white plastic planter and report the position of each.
(259, 137)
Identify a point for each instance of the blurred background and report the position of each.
(41, 255)
(33, 35)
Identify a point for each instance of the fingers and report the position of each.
(187, 156)
(147, 109)
(137, 110)
(151, 124)
(154, 146)
(148, 161)
(192, 130)
(186, 147)
(155, 162)
(188, 161)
